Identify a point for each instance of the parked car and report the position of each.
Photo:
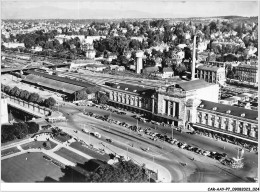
(96, 134)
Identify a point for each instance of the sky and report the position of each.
(109, 9)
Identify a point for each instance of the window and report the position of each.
(214, 108)
(228, 111)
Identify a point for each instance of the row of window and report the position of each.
(228, 124)
(131, 100)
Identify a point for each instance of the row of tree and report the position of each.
(18, 131)
(27, 96)
(122, 172)
(83, 94)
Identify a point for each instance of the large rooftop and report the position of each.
(53, 84)
(193, 85)
(134, 89)
(227, 109)
(209, 68)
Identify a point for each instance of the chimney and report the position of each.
(193, 59)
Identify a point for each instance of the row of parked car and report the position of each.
(221, 157)
(107, 108)
(250, 147)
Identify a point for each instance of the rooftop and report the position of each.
(134, 89)
(209, 67)
(192, 85)
(167, 69)
(234, 111)
(53, 84)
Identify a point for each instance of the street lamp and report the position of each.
(172, 131)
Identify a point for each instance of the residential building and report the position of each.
(13, 45)
(247, 73)
(167, 72)
(211, 74)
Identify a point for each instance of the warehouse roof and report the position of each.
(62, 79)
(53, 84)
(227, 109)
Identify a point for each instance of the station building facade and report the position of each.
(134, 98)
(231, 121)
(193, 104)
(165, 104)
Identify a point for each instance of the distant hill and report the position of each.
(193, 19)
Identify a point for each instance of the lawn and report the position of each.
(34, 169)
(62, 138)
(71, 156)
(9, 151)
(37, 144)
(78, 146)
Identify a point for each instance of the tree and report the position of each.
(47, 144)
(124, 171)
(7, 89)
(50, 102)
(81, 95)
(21, 130)
(29, 42)
(40, 101)
(180, 68)
(134, 44)
(15, 91)
(7, 133)
(33, 97)
(24, 94)
(32, 127)
(103, 99)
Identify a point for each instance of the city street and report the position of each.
(171, 157)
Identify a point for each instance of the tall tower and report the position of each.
(193, 59)
(139, 62)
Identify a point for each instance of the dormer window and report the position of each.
(118, 87)
(228, 111)
(126, 88)
(201, 106)
(214, 108)
(243, 115)
(143, 93)
(134, 91)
